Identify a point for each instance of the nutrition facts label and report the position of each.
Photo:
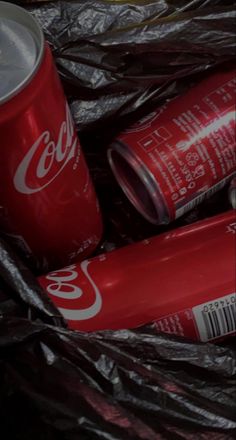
(190, 146)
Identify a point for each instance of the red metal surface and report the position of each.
(162, 279)
(189, 144)
(47, 201)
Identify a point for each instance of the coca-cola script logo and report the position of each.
(64, 285)
(40, 168)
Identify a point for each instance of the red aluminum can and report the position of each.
(48, 206)
(183, 280)
(180, 154)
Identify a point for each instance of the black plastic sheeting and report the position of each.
(109, 385)
(114, 385)
(117, 60)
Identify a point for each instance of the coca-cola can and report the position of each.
(180, 154)
(48, 206)
(183, 281)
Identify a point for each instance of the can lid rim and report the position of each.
(146, 177)
(18, 14)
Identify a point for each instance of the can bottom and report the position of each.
(138, 183)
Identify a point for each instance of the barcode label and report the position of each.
(216, 318)
(199, 199)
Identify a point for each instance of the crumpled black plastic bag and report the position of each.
(60, 384)
(57, 384)
(115, 385)
(17, 278)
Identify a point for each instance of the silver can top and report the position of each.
(21, 49)
(138, 183)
